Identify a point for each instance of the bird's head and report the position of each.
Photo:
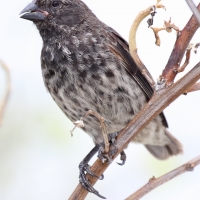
(44, 13)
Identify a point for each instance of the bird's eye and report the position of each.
(56, 3)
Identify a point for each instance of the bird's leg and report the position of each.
(85, 168)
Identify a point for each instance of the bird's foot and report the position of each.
(85, 168)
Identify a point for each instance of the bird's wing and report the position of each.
(121, 49)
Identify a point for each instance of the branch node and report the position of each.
(161, 83)
(190, 167)
(152, 179)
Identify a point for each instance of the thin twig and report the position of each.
(194, 47)
(155, 106)
(191, 46)
(7, 91)
(156, 31)
(187, 60)
(194, 9)
(168, 26)
(133, 46)
(155, 182)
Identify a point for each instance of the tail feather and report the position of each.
(174, 147)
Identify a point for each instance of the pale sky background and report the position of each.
(38, 157)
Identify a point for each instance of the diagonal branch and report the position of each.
(7, 93)
(155, 182)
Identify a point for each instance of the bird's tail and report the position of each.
(174, 147)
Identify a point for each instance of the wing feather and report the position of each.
(121, 49)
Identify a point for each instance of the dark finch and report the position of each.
(86, 65)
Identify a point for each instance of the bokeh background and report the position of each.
(38, 157)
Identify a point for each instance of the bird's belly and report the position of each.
(117, 104)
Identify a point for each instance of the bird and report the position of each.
(86, 65)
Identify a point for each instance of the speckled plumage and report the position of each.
(86, 66)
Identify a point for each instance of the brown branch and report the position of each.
(155, 106)
(155, 182)
(169, 73)
(7, 92)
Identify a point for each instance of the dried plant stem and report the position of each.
(132, 40)
(133, 46)
(103, 128)
(80, 123)
(155, 182)
(7, 91)
(156, 31)
(187, 60)
(132, 35)
(168, 26)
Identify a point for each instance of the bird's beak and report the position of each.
(33, 13)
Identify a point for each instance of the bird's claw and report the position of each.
(85, 168)
(122, 158)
